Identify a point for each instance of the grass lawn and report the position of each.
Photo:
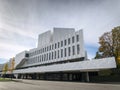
(5, 79)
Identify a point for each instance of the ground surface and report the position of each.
(54, 85)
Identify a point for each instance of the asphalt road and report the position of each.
(53, 85)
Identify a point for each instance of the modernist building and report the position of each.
(60, 55)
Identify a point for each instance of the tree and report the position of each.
(5, 68)
(110, 44)
(12, 64)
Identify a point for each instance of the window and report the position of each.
(61, 43)
(68, 41)
(73, 39)
(44, 57)
(58, 44)
(52, 55)
(78, 49)
(69, 51)
(40, 58)
(73, 50)
(55, 54)
(49, 56)
(39, 51)
(43, 50)
(77, 38)
(47, 48)
(52, 46)
(65, 42)
(61, 53)
(26, 55)
(58, 53)
(65, 52)
(55, 45)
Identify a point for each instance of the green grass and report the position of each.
(5, 79)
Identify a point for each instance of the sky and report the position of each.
(21, 21)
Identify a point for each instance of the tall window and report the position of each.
(69, 51)
(44, 57)
(40, 58)
(73, 39)
(47, 48)
(49, 56)
(65, 42)
(52, 55)
(52, 46)
(73, 50)
(78, 49)
(55, 54)
(61, 53)
(65, 53)
(77, 38)
(43, 50)
(58, 44)
(55, 45)
(58, 53)
(68, 41)
(61, 43)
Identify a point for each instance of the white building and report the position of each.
(60, 55)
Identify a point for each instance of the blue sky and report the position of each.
(22, 20)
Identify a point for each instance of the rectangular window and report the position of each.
(55, 45)
(58, 53)
(68, 41)
(49, 56)
(77, 38)
(43, 50)
(61, 43)
(58, 44)
(73, 50)
(65, 42)
(61, 53)
(69, 51)
(44, 57)
(40, 58)
(52, 55)
(52, 46)
(65, 53)
(73, 39)
(55, 54)
(78, 49)
(47, 48)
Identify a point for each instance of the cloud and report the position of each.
(22, 20)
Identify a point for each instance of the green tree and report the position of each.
(110, 44)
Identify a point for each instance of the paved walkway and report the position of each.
(54, 85)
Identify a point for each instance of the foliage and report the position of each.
(5, 68)
(105, 72)
(110, 44)
(12, 65)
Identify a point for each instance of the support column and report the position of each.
(87, 77)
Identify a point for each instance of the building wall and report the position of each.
(56, 50)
